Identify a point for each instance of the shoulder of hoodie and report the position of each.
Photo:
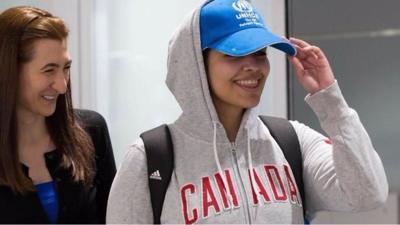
(134, 159)
(305, 132)
(136, 151)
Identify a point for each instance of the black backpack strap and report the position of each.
(160, 163)
(285, 135)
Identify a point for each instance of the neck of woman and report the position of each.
(230, 117)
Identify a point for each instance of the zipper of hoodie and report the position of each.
(242, 190)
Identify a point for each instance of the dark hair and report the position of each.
(20, 27)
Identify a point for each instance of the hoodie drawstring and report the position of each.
(220, 171)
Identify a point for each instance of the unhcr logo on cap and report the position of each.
(242, 6)
(245, 11)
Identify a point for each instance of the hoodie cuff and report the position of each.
(328, 103)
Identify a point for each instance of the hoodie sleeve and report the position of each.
(344, 172)
(129, 201)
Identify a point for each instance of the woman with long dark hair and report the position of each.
(56, 164)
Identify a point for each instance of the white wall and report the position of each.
(130, 65)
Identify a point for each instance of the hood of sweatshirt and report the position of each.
(187, 80)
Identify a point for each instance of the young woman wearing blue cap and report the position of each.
(227, 166)
(56, 164)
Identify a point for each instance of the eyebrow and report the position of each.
(55, 65)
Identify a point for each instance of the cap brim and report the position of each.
(251, 40)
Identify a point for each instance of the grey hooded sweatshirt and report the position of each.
(211, 181)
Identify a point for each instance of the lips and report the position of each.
(50, 98)
(253, 83)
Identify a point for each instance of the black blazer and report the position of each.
(77, 203)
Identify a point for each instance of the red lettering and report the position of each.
(279, 191)
(292, 186)
(223, 192)
(261, 188)
(187, 190)
(209, 199)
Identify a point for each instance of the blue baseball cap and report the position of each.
(236, 28)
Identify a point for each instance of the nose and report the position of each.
(255, 63)
(60, 83)
(249, 63)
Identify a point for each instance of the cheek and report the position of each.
(220, 79)
(31, 86)
(265, 67)
(213, 83)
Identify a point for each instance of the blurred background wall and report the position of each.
(362, 41)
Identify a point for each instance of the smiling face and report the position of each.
(236, 83)
(43, 78)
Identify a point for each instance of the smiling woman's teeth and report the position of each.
(49, 97)
(247, 83)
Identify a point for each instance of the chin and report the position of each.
(47, 113)
(248, 106)
(250, 103)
